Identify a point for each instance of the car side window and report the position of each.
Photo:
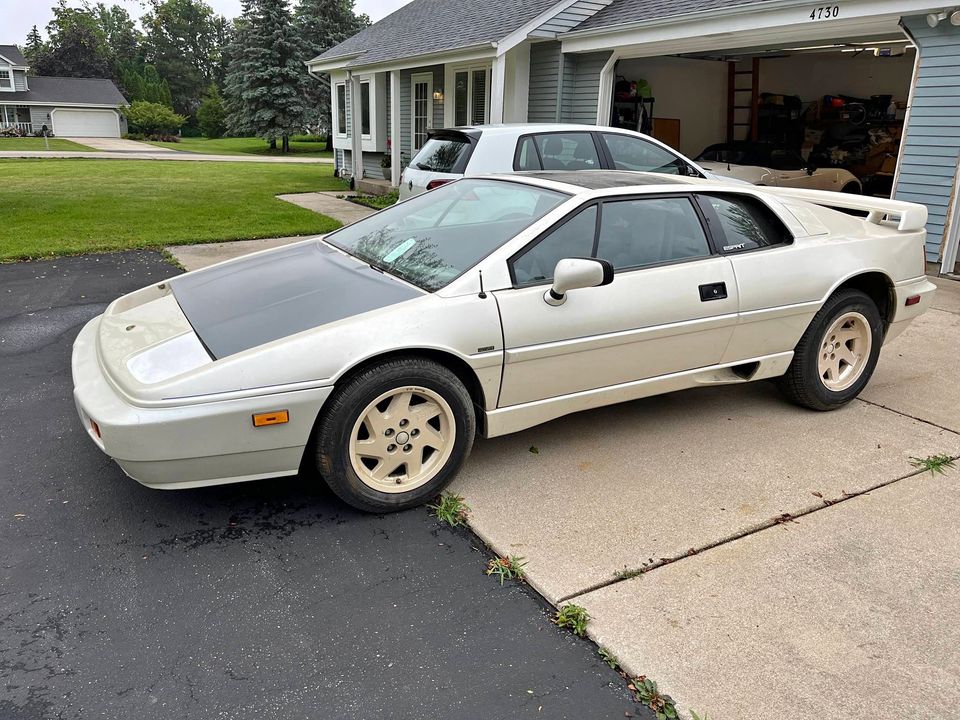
(527, 158)
(630, 153)
(649, 231)
(568, 151)
(572, 239)
(785, 160)
(747, 223)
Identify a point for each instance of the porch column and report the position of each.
(497, 88)
(395, 108)
(356, 142)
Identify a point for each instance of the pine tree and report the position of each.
(210, 115)
(322, 24)
(265, 79)
(34, 47)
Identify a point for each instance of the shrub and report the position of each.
(153, 118)
(211, 114)
(308, 138)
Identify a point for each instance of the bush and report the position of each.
(308, 138)
(153, 118)
(211, 114)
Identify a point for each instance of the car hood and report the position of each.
(249, 302)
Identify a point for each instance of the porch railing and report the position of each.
(25, 126)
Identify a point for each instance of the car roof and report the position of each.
(521, 128)
(602, 179)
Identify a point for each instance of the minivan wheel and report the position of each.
(837, 354)
(395, 434)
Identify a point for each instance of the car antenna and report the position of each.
(482, 295)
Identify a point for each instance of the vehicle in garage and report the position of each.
(483, 150)
(376, 353)
(68, 107)
(774, 165)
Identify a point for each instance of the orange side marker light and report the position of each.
(277, 417)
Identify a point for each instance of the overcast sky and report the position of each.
(20, 15)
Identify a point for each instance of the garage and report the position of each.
(70, 122)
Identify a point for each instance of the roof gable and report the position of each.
(13, 55)
(429, 26)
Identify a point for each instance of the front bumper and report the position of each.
(190, 445)
(903, 313)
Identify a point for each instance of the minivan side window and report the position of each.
(630, 153)
(568, 151)
(746, 222)
(650, 231)
(572, 239)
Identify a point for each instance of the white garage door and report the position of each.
(85, 123)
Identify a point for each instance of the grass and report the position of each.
(377, 202)
(243, 146)
(34, 144)
(573, 617)
(60, 207)
(506, 568)
(936, 464)
(450, 509)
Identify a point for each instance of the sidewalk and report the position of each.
(160, 154)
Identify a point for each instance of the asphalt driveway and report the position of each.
(264, 600)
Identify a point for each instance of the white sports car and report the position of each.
(774, 166)
(375, 354)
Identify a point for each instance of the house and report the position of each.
(68, 107)
(873, 84)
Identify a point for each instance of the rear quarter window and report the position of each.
(745, 223)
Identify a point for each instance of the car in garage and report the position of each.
(763, 163)
(376, 354)
(452, 153)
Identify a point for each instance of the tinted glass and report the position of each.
(460, 99)
(630, 153)
(747, 223)
(725, 154)
(785, 160)
(527, 157)
(634, 233)
(342, 109)
(441, 155)
(572, 239)
(364, 108)
(568, 151)
(432, 238)
(479, 115)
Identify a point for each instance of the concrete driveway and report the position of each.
(117, 144)
(791, 564)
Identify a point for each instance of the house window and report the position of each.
(422, 108)
(6, 80)
(341, 109)
(365, 109)
(471, 100)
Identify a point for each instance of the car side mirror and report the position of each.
(575, 273)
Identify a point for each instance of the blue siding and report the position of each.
(581, 86)
(928, 160)
(544, 82)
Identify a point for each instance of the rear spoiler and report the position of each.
(910, 216)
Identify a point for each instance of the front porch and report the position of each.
(24, 118)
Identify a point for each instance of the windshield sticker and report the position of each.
(400, 250)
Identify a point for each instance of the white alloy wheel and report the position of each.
(402, 439)
(844, 351)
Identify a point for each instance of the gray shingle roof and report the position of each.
(622, 12)
(428, 26)
(78, 91)
(11, 53)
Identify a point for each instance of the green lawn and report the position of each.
(243, 146)
(58, 207)
(35, 143)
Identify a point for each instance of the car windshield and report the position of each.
(723, 154)
(432, 238)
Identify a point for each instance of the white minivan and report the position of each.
(452, 153)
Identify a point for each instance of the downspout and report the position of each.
(356, 142)
(326, 81)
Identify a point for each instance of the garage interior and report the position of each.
(838, 103)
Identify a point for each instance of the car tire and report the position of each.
(395, 434)
(837, 354)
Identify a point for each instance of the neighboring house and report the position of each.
(68, 107)
(436, 63)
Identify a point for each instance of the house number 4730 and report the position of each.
(825, 13)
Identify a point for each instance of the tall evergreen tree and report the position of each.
(322, 24)
(266, 78)
(34, 47)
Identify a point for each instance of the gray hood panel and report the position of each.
(251, 302)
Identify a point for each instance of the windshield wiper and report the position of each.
(421, 166)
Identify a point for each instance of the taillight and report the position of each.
(436, 183)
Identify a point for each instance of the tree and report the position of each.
(322, 24)
(153, 118)
(119, 29)
(181, 41)
(34, 47)
(77, 45)
(211, 114)
(145, 84)
(266, 77)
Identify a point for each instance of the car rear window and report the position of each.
(443, 155)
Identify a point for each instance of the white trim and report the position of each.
(395, 169)
(53, 119)
(521, 33)
(54, 104)
(368, 81)
(605, 94)
(951, 233)
(13, 80)
(337, 130)
(356, 142)
(497, 88)
(466, 54)
(450, 92)
(414, 80)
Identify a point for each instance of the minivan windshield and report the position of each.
(432, 238)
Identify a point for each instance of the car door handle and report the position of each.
(713, 291)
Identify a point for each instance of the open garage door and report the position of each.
(85, 123)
